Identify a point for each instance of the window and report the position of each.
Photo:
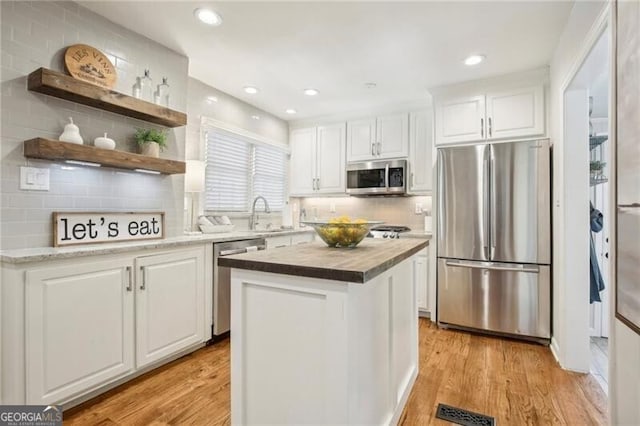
(240, 168)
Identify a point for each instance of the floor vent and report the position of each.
(463, 417)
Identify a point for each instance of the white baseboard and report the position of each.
(555, 350)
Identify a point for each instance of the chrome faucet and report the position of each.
(253, 222)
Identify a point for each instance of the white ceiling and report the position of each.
(335, 47)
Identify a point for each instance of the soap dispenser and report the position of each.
(71, 133)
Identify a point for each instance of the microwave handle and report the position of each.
(386, 176)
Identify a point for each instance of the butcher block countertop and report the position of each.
(358, 265)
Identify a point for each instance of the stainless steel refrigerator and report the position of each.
(494, 238)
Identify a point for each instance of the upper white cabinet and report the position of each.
(317, 163)
(170, 304)
(420, 152)
(378, 138)
(515, 113)
(508, 114)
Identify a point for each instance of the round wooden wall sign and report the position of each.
(88, 64)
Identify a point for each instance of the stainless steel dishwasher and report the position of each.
(222, 283)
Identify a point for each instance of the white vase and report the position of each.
(150, 149)
(71, 133)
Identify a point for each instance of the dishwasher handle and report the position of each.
(239, 251)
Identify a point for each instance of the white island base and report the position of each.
(308, 350)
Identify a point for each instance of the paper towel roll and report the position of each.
(428, 225)
(287, 216)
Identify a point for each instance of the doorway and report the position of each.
(587, 112)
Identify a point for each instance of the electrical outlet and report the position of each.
(332, 207)
(34, 179)
(418, 208)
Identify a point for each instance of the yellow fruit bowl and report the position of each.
(342, 232)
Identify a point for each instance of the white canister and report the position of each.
(104, 142)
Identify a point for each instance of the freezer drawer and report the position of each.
(497, 297)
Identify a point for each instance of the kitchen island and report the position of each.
(323, 335)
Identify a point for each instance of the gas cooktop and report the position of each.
(388, 231)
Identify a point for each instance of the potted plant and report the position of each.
(151, 141)
(595, 168)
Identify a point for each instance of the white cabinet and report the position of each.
(317, 163)
(289, 240)
(378, 138)
(515, 113)
(508, 114)
(170, 304)
(420, 152)
(421, 278)
(80, 324)
(460, 120)
(78, 328)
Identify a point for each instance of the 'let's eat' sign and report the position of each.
(72, 228)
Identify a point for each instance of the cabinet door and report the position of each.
(460, 120)
(304, 238)
(331, 164)
(277, 242)
(302, 163)
(392, 134)
(169, 304)
(361, 136)
(515, 113)
(79, 328)
(420, 276)
(420, 152)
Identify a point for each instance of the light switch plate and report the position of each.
(332, 208)
(419, 208)
(34, 179)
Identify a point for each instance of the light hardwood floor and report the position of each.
(517, 383)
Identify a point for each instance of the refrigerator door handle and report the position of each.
(485, 207)
(492, 209)
(493, 266)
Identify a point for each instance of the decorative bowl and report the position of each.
(342, 232)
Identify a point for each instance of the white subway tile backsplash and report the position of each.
(35, 34)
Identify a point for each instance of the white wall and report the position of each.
(565, 62)
(624, 368)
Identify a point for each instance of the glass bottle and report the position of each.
(162, 94)
(146, 87)
(136, 88)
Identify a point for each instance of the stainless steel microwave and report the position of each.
(377, 178)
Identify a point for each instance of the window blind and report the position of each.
(239, 168)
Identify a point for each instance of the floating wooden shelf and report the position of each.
(595, 141)
(48, 149)
(598, 180)
(62, 86)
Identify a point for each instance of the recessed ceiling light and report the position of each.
(310, 92)
(474, 60)
(208, 16)
(251, 90)
(255, 117)
(211, 99)
(291, 111)
(370, 85)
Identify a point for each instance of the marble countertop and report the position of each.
(370, 258)
(39, 254)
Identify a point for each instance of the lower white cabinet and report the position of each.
(169, 304)
(76, 325)
(421, 278)
(289, 240)
(79, 328)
